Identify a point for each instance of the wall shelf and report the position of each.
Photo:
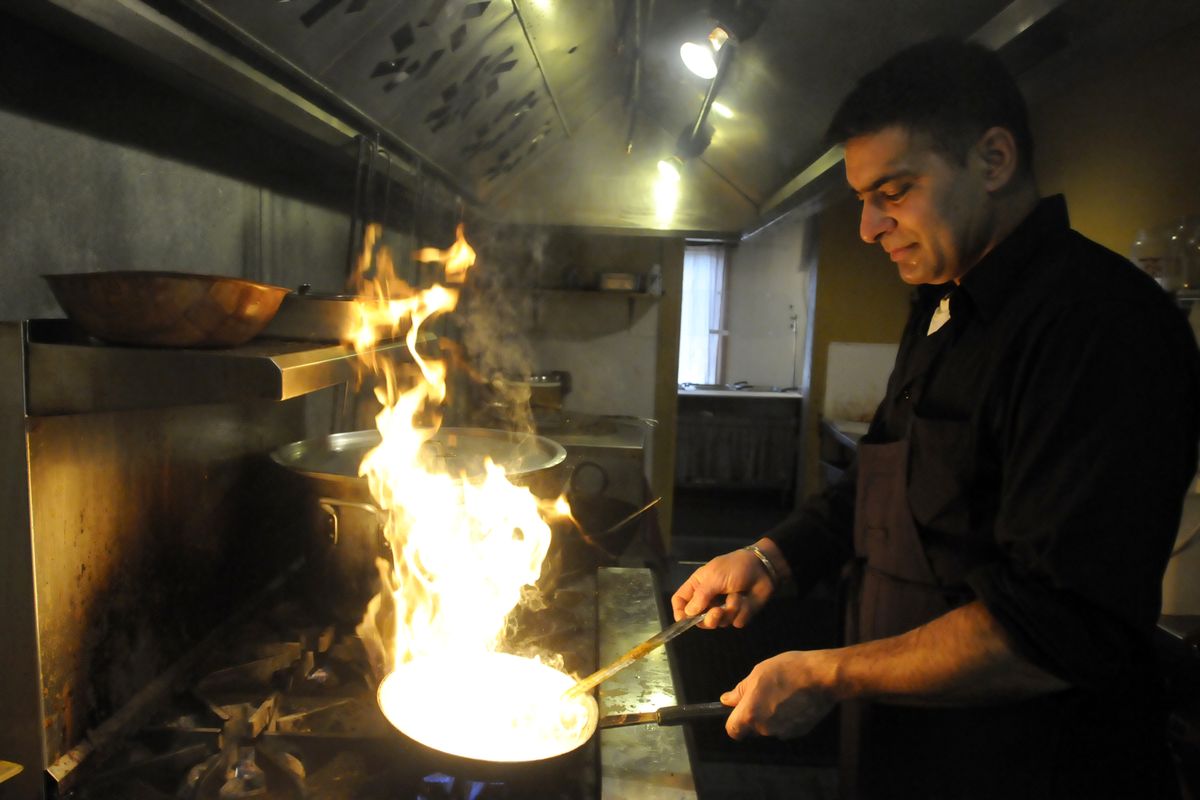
(631, 297)
(71, 374)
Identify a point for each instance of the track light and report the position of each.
(668, 168)
(701, 57)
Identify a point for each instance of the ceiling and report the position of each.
(557, 111)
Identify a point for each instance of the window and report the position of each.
(701, 336)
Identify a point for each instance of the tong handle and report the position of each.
(660, 638)
(677, 715)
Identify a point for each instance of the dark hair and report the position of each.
(951, 90)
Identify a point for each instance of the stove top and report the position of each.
(285, 709)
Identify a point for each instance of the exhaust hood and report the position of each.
(558, 111)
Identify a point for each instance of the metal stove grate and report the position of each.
(286, 710)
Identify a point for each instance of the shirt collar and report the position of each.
(990, 282)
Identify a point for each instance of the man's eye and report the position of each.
(892, 195)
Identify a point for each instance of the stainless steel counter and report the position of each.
(760, 393)
(641, 762)
(580, 431)
(848, 431)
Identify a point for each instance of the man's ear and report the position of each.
(997, 154)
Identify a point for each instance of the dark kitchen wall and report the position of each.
(1121, 143)
(104, 167)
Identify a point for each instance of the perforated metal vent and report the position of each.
(456, 80)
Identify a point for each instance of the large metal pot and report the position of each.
(346, 531)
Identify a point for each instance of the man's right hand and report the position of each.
(739, 576)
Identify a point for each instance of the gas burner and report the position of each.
(440, 786)
(286, 709)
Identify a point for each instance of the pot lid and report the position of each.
(456, 450)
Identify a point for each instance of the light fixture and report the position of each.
(722, 110)
(694, 140)
(701, 57)
(666, 195)
(668, 168)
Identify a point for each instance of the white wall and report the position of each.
(611, 358)
(766, 276)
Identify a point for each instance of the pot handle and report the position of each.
(585, 467)
(330, 506)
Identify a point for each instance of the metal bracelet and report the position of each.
(772, 573)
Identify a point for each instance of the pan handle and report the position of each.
(677, 715)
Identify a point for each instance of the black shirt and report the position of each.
(1068, 382)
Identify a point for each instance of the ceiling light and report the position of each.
(668, 168)
(701, 57)
(666, 197)
(723, 110)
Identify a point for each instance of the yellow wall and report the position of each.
(1125, 147)
(860, 298)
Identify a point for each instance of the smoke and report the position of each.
(496, 311)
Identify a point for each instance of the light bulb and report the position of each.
(722, 110)
(700, 59)
(666, 199)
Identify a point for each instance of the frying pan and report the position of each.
(509, 767)
(409, 701)
(438, 726)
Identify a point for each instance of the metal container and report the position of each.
(346, 533)
(333, 461)
(619, 282)
(310, 316)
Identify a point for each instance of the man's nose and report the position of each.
(874, 223)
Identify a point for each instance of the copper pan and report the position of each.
(166, 309)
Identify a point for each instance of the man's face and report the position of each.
(931, 215)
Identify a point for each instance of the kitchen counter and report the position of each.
(1181, 631)
(757, 392)
(647, 762)
(847, 431)
(589, 430)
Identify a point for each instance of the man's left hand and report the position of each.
(784, 696)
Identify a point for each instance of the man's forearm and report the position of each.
(960, 658)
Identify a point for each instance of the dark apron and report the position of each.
(892, 590)
(1036, 748)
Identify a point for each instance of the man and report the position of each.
(1016, 498)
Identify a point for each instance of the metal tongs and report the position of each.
(667, 715)
(661, 638)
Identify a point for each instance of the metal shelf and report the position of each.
(70, 374)
(610, 292)
(630, 296)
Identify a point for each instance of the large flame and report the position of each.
(462, 551)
